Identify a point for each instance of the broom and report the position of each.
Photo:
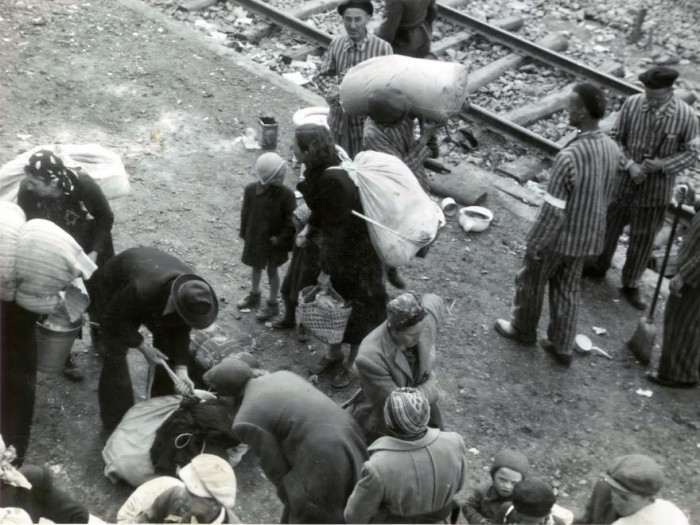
(643, 338)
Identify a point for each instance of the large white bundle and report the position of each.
(12, 219)
(402, 218)
(437, 90)
(47, 262)
(104, 166)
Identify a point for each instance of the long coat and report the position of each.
(347, 253)
(410, 481)
(266, 212)
(382, 367)
(308, 446)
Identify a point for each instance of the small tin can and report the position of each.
(268, 132)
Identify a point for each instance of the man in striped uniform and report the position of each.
(659, 137)
(569, 228)
(389, 129)
(679, 365)
(345, 52)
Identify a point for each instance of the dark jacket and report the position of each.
(599, 508)
(131, 290)
(85, 214)
(408, 26)
(266, 212)
(347, 253)
(43, 500)
(309, 447)
(484, 504)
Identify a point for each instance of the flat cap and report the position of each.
(365, 5)
(635, 474)
(658, 77)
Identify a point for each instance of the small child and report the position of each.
(486, 502)
(267, 229)
(533, 504)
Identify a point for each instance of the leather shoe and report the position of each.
(507, 330)
(654, 377)
(562, 359)
(634, 297)
(341, 380)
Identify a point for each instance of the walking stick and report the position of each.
(643, 338)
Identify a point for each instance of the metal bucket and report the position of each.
(268, 132)
(53, 347)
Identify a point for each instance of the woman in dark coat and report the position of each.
(349, 261)
(73, 201)
(309, 448)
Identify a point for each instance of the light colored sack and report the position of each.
(127, 454)
(437, 90)
(104, 166)
(400, 216)
(12, 219)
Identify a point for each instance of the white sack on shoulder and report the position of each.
(12, 219)
(392, 196)
(437, 90)
(104, 166)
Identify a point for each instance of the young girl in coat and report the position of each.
(267, 229)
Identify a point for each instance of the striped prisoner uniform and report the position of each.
(569, 228)
(341, 55)
(398, 140)
(671, 134)
(680, 354)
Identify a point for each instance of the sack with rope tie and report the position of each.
(127, 452)
(400, 216)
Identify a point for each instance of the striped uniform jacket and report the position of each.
(572, 220)
(671, 134)
(341, 55)
(398, 141)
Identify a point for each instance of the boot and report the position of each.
(267, 311)
(71, 370)
(289, 320)
(249, 301)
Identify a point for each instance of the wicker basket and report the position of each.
(326, 324)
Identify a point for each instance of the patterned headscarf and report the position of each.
(406, 413)
(404, 311)
(48, 167)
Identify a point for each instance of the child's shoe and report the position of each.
(267, 311)
(250, 301)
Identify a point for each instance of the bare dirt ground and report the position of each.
(171, 105)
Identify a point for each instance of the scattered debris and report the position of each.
(645, 393)
(599, 331)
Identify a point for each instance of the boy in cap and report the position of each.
(627, 495)
(659, 137)
(267, 229)
(344, 52)
(413, 472)
(569, 228)
(533, 501)
(487, 501)
(398, 353)
(145, 286)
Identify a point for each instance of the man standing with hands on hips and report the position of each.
(659, 137)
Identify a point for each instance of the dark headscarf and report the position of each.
(48, 167)
(317, 145)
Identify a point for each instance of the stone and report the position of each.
(667, 59)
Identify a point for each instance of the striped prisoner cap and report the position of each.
(406, 412)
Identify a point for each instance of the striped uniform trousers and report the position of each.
(563, 275)
(645, 222)
(680, 354)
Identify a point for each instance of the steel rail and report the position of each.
(538, 52)
(484, 116)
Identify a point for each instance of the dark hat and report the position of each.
(365, 5)
(658, 77)
(387, 105)
(229, 377)
(635, 474)
(194, 300)
(533, 497)
(511, 459)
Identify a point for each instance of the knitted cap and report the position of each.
(512, 459)
(406, 412)
(229, 377)
(635, 474)
(270, 166)
(533, 497)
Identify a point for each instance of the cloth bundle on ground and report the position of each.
(190, 431)
(436, 90)
(104, 166)
(402, 217)
(41, 266)
(127, 452)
